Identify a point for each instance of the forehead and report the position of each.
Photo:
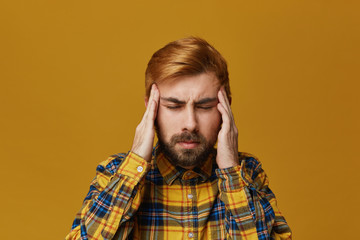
(190, 87)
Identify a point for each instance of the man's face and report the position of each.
(188, 120)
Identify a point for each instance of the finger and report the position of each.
(225, 96)
(226, 103)
(151, 97)
(156, 93)
(154, 106)
(224, 116)
(155, 101)
(222, 101)
(151, 111)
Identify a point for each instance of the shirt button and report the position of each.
(190, 196)
(140, 168)
(191, 235)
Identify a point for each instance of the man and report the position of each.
(183, 188)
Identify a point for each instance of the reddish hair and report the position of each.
(186, 57)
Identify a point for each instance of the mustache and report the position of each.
(187, 136)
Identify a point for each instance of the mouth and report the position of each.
(188, 144)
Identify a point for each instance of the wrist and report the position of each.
(228, 161)
(134, 166)
(230, 179)
(224, 165)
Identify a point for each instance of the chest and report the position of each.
(180, 211)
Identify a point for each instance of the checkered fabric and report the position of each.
(132, 199)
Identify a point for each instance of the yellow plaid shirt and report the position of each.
(132, 199)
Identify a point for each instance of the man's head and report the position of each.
(186, 57)
(189, 73)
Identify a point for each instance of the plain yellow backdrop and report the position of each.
(72, 93)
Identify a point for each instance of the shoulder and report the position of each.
(252, 171)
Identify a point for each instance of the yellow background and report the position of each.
(72, 88)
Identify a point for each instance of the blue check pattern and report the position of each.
(160, 201)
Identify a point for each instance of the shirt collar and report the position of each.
(170, 172)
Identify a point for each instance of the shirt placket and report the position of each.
(190, 196)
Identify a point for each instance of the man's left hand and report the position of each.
(227, 147)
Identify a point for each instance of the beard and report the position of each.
(186, 157)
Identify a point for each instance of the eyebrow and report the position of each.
(177, 101)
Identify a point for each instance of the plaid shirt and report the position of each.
(133, 199)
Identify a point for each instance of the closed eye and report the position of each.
(205, 107)
(172, 107)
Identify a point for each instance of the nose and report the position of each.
(190, 122)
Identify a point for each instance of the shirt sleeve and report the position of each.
(251, 207)
(113, 198)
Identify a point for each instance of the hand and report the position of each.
(145, 133)
(227, 147)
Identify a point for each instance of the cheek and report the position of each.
(164, 116)
(215, 118)
(211, 123)
(160, 119)
(166, 122)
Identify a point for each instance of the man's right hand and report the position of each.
(145, 132)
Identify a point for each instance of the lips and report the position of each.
(188, 144)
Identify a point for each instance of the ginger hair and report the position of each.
(186, 57)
